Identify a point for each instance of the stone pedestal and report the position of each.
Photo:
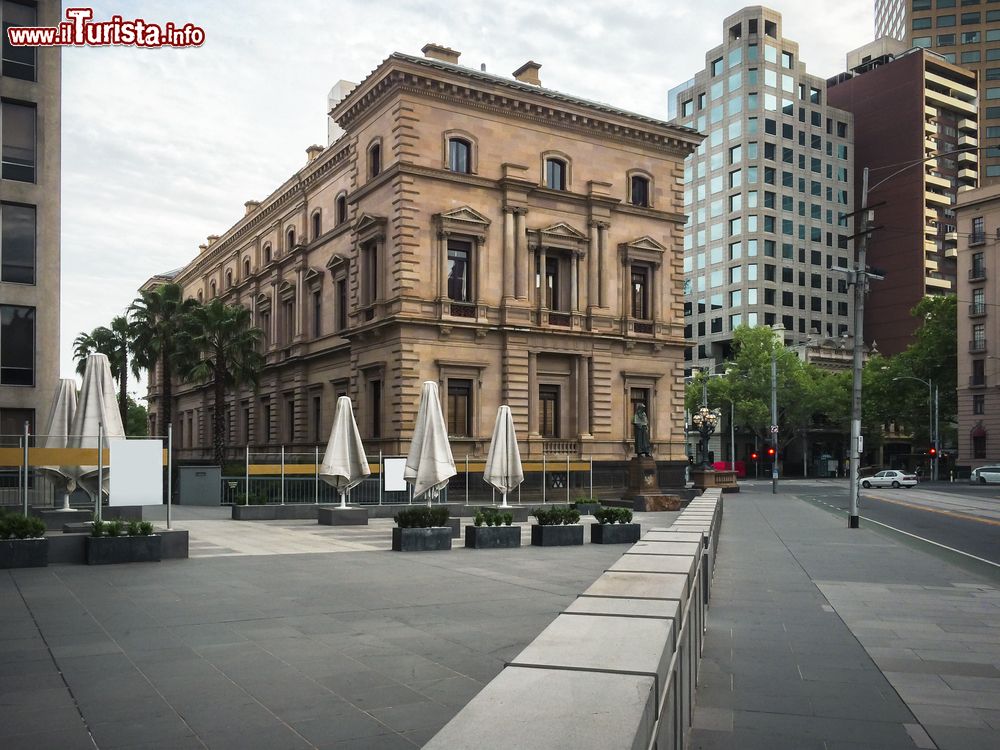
(337, 516)
(708, 478)
(644, 490)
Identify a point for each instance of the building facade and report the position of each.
(966, 33)
(30, 126)
(517, 245)
(978, 217)
(767, 193)
(933, 106)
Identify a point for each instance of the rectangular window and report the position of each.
(369, 254)
(317, 309)
(460, 407)
(548, 410)
(341, 304)
(979, 404)
(12, 424)
(17, 122)
(640, 292)
(17, 345)
(17, 243)
(375, 401)
(18, 62)
(459, 271)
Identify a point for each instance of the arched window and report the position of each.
(267, 253)
(374, 160)
(229, 279)
(246, 268)
(289, 239)
(317, 224)
(555, 173)
(459, 155)
(201, 297)
(341, 209)
(639, 190)
(212, 286)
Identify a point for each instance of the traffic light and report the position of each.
(932, 452)
(770, 452)
(754, 456)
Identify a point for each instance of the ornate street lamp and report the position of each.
(705, 421)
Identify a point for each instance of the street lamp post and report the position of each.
(705, 421)
(932, 419)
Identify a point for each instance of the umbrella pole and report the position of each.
(343, 499)
(100, 471)
(504, 503)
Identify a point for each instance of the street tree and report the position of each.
(117, 342)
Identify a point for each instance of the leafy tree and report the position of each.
(117, 343)
(220, 346)
(159, 317)
(137, 424)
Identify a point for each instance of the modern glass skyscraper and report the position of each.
(767, 193)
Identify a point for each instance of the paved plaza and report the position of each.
(274, 635)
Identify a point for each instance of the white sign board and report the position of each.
(774, 429)
(393, 474)
(136, 472)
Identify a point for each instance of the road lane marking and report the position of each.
(950, 513)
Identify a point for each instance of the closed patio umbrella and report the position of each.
(56, 435)
(97, 407)
(344, 463)
(503, 463)
(429, 464)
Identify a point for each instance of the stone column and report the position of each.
(593, 276)
(533, 394)
(509, 261)
(300, 304)
(521, 255)
(582, 374)
(443, 265)
(273, 320)
(604, 264)
(654, 292)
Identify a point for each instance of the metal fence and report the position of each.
(293, 477)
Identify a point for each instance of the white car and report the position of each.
(890, 478)
(985, 475)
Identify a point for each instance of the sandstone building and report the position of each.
(517, 245)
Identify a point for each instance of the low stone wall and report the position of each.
(71, 548)
(618, 668)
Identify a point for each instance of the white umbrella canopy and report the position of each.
(344, 463)
(429, 464)
(503, 463)
(97, 406)
(56, 435)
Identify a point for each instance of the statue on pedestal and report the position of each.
(640, 423)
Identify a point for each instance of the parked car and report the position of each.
(890, 478)
(985, 475)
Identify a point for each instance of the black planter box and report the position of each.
(337, 516)
(556, 536)
(24, 553)
(492, 537)
(107, 550)
(421, 540)
(614, 533)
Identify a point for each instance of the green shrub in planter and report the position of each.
(613, 515)
(478, 520)
(133, 528)
(556, 516)
(116, 527)
(422, 518)
(508, 518)
(145, 528)
(16, 526)
(98, 528)
(494, 517)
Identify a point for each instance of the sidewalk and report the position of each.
(824, 637)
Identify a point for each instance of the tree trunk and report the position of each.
(166, 394)
(218, 438)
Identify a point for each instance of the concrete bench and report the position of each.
(337, 516)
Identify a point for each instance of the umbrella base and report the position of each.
(343, 516)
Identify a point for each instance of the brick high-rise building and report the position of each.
(908, 105)
(966, 33)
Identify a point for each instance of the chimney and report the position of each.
(437, 52)
(202, 248)
(251, 206)
(528, 73)
(212, 239)
(312, 152)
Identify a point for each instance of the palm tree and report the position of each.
(159, 316)
(221, 347)
(116, 342)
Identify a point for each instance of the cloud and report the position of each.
(162, 147)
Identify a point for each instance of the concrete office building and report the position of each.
(966, 33)
(766, 193)
(30, 93)
(933, 106)
(978, 220)
(517, 245)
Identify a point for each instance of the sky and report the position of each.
(161, 148)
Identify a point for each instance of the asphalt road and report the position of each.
(962, 517)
